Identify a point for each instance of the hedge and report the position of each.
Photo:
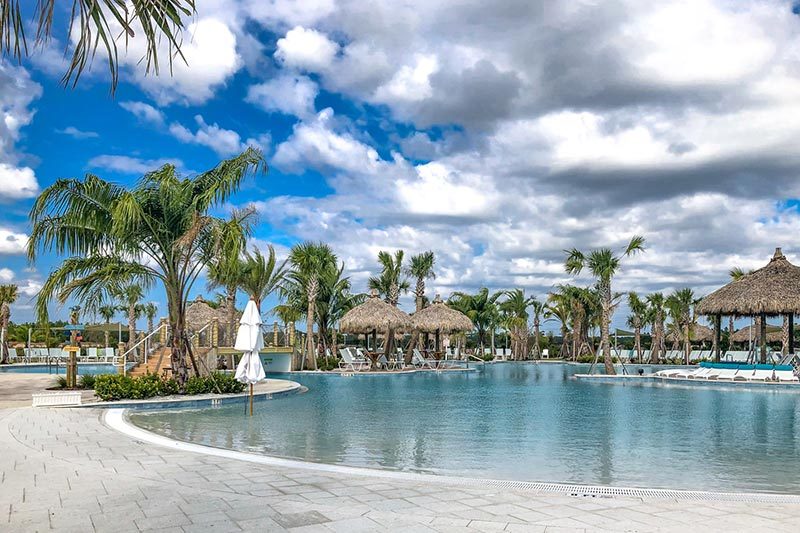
(110, 387)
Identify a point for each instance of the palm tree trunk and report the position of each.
(311, 360)
(605, 321)
(105, 338)
(230, 302)
(131, 327)
(687, 343)
(537, 347)
(4, 335)
(730, 332)
(637, 342)
(785, 335)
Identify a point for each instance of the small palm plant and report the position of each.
(8, 295)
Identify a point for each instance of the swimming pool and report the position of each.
(83, 368)
(519, 422)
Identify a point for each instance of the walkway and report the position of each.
(64, 470)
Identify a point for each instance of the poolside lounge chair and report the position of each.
(744, 373)
(763, 373)
(785, 373)
(420, 362)
(695, 355)
(349, 362)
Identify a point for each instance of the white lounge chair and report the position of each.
(785, 375)
(763, 374)
(349, 362)
(420, 362)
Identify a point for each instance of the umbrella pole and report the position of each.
(251, 399)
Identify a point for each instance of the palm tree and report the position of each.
(558, 308)
(538, 310)
(308, 263)
(150, 310)
(736, 274)
(636, 320)
(107, 312)
(420, 268)
(225, 271)
(96, 23)
(516, 307)
(655, 317)
(130, 295)
(8, 295)
(603, 265)
(679, 304)
(391, 281)
(335, 299)
(260, 276)
(481, 308)
(158, 230)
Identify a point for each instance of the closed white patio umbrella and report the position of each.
(250, 340)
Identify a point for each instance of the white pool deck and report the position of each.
(69, 470)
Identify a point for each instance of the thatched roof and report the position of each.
(774, 334)
(374, 314)
(440, 317)
(698, 333)
(199, 313)
(773, 290)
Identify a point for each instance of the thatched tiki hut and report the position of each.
(199, 314)
(697, 333)
(773, 290)
(439, 318)
(748, 333)
(374, 315)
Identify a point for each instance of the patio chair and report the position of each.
(421, 362)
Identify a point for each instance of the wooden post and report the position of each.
(214, 340)
(275, 333)
(791, 333)
(251, 399)
(291, 334)
(763, 335)
(121, 361)
(718, 337)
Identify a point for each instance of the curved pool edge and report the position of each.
(115, 418)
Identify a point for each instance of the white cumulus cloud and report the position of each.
(289, 94)
(306, 49)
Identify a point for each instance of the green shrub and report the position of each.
(110, 387)
(327, 363)
(86, 381)
(61, 382)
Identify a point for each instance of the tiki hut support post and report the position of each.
(717, 336)
(763, 338)
(791, 333)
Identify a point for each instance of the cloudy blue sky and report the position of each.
(495, 134)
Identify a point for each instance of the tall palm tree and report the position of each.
(421, 269)
(260, 276)
(538, 310)
(679, 304)
(559, 308)
(107, 312)
(160, 230)
(603, 265)
(516, 307)
(130, 296)
(392, 280)
(636, 320)
(335, 299)
(8, 295)
(150, 310)
(225, 270)
(99, 23)
(481, 308)
(308, 262)
(656, 315)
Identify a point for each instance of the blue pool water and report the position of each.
(83, 368)
(521, 422)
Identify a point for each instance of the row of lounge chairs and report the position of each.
(354, 360)
(733, 356)
(733, 372)
(86, 355)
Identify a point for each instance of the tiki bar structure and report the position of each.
(372, 316)
(439, 318)
(773, 290)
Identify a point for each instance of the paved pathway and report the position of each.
(64, 470)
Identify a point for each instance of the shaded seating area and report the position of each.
(771, 291)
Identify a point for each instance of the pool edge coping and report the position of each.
(115, 418)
